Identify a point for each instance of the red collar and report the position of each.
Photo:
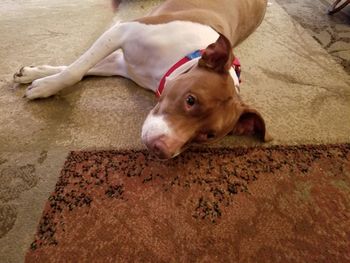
(198, 53)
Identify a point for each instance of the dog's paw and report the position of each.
(26, 75)
(42, 88)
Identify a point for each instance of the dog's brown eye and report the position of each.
(190, 100)
(210, 135)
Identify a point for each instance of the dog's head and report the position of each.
(200, 106)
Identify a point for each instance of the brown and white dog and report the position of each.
(199, 100)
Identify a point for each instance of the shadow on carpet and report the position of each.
(280, 204)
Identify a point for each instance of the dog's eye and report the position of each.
(190, 100)
(211, 135)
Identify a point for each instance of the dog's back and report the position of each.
(235, 19)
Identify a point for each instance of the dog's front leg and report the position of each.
(110, 41)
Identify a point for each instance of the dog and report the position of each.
(182, 51)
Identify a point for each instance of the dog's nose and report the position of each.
(160, 149)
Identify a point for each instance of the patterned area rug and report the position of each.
(281, 204)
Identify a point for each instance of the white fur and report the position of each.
(154, 127)
(112, 65)
(29, 74)
(148, 51)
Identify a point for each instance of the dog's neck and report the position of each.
(187, 63)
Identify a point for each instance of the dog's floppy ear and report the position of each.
(251, 122)
(218, 56)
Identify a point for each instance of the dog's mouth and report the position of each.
(183, 148)
(164, 147)
(162, 151)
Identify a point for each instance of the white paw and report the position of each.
(42, 88)
(26, 75)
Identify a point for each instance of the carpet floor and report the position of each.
(280, 204)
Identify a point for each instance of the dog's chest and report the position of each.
(150, 50)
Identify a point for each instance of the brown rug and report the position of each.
(282, 204)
